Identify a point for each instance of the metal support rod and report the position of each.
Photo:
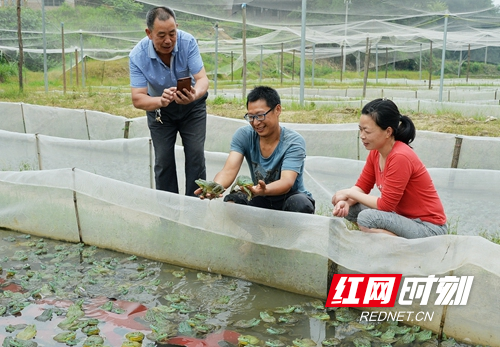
(45, 73)
(76, 66)
(303, 53)
(261, 63)
(346, 2)
(443, 56)
(83, 57)
(367, 65)
(420, 64)
(216, 56)
(282, 54)
(20, 44)
(63, 58)
(313, 63)
(343, 59)
(430, 67)
(468, 64)
(244, 41)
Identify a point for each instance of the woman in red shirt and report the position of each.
(409, 205)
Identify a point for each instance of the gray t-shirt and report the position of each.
(289, 154)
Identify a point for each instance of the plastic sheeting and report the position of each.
(99, 192)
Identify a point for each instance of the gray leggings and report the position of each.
(393, 222)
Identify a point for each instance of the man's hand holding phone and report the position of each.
(185, 92)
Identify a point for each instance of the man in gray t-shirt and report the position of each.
(275, 156)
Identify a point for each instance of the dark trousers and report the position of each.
(293, 202)
(190, 121)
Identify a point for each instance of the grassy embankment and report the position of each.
(107, 90)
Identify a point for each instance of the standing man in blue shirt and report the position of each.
(165, 55)
(275, 157)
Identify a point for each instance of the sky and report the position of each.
(496, 2)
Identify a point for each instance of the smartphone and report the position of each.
(184, 83)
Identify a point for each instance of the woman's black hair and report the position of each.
(386, 114)
(161, 12)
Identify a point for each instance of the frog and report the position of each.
(276, 331)
(159, 334)
(201, 316)
(288, 319)
(267, 317)
(401, 330)
(423, 335)
(10, 341)
(210, 187)
(317, 304)
(388, 336)
(93, 341)
(405, 339)
(27, 333)
(247, 323)
(343, 314)
(321, 316)
(362, 326)
(178, 274)
(203, 276)
(332, 341)
(304, 342)
(242, 183)
(76, 310)
(91, 330)
(244, 340)
(274, 343)
(204, 328)
(172, 297)
(361, 342)
(65, 336)
(135, 336)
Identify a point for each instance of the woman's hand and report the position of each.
(341, 209)
(341, 195)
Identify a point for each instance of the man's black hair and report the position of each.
(268, 94)
(161, 12)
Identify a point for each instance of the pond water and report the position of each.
(85, 296)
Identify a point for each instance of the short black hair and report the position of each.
(268, 94)
(160, 12)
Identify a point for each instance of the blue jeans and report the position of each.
(190, 121)
(393, 222)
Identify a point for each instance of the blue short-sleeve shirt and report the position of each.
(290, 154)
(148, 70)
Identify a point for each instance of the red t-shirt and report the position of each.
(405, 185)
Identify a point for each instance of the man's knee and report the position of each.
(299, 203)
(237, 198)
